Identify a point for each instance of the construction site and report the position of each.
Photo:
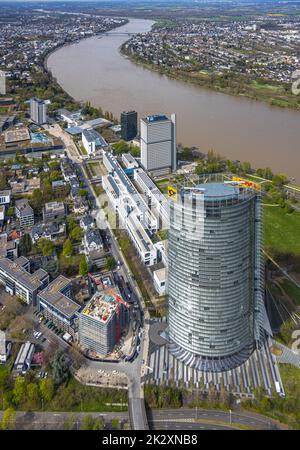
(103, 320)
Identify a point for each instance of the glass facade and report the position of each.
(215, 274)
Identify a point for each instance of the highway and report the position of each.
(195, 418)
(55, 420)
(164, 419)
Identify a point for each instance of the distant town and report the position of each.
(138, 275)
(240, 57)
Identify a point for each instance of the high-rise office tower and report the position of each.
(128, 125)
(216, 287)
(2, 83)
(158, 143)
(38, 111)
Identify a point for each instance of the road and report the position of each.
(56, 420)
(133, 370)
(170, 419)
(186, 418)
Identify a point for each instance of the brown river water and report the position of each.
(237, 128)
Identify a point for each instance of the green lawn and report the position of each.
(75, 396)
(281, 230)
(292, 291)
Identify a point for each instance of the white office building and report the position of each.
(132, 209)
(158, 144)
(5, 347)
(91, 141)
(156, 201)
(122, 186)
(17, 279)
(38, 111)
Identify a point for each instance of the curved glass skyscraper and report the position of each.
(215, 275)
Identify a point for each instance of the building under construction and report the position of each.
(102, 321)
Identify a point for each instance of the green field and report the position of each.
(291, 290)
(281, 230)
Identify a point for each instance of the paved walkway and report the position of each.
(288, 356)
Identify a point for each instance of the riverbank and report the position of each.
(230, 84)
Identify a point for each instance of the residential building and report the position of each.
(8, 248)
(80, 206)
(24, 213)
(38, 111)
(53, 211)
(128, 125)
(158, 144)
(51, 231)
(17, 279)
(87, 222)
(92, 141)
(56, 304)
(101, 322)
(5, 197)
(92, 240)
(215, 275)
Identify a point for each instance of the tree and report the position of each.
(60, 367)
(46, 387)
(37, 201)
(76, 234)
(52, 268)
(110, 263)
(46, 246)
(83, 267)
(9, 419)
(279, 180)
(98, 424)
(25, 244)
(82, 193)
(33, 393)
(3, 180)
(115, 424)
(200, 168)
(88, 423)
(246, 167)
(67, 248)
(19, 390)
(76, 356)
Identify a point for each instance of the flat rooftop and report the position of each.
(20, 134)
(103, 305)
(16, 270)
(53, 294)
(218, 191)
(155, 118)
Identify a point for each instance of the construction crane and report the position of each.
(119, 300)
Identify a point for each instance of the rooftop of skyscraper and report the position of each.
(155, 118)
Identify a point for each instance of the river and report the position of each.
(94, 70)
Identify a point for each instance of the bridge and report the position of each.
(124, 33)
(137, 414)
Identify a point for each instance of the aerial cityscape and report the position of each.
(149, 216)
